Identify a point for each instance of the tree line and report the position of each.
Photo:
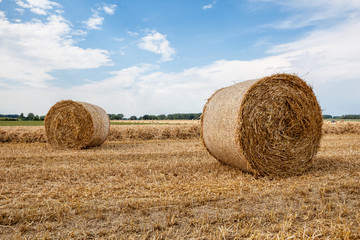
(119, 116)
(347, 116)
(175, 116)
(21, 117)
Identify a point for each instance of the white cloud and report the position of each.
(94, 22)
(329, 54)
(210, 5)
(20, 10)
(123, 78)
(309, 12)
(132, 34)
(30, 50)
(38, 6)
(143, 89)
(157, 43)
(109, 9)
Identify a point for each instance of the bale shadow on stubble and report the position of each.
(323, 165)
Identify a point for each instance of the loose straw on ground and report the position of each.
(270, 126)
(76, 125)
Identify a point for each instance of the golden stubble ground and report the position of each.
(173, 189)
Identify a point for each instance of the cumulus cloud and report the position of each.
(94, 22)
(210, 5)
(109, 9)
(38, 6)
(20, 10)
(157, 43)
(121, 79)
(30, 50)
(121, 85)
(146, 90)
(326, 53)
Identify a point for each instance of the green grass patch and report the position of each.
(41, 123)
(21, 123)
(137, 123)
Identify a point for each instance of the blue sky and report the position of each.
(141, 57)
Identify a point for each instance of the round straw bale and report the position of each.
(76, 125)
(269, 126)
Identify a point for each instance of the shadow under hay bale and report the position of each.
(76, 125)
(269, 126)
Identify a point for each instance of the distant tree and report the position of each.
(350, 116)
(161, 117)
(21, 117)
(116, 116)
(183, 116)
(327, 116)
(119, 116)
(8, 119)
(42, 118)
(30, 116)
(133, 118)
(37, 118)
(175, 116)
(149, 117)
(9, 116)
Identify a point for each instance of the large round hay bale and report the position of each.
(76, 125)
(269, 126)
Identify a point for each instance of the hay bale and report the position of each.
(270, 126)
(76, 125)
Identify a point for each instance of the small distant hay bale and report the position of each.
(76, 125)
(269, 126)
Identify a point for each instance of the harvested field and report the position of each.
(117, 132)
(168, 122)
(22, 134)
(172, 188)
(185, 130)
(341, 127)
